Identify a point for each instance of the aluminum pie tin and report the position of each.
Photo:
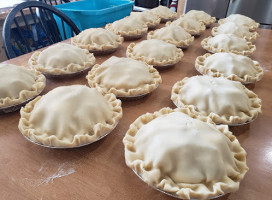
(82, 145)
(103, 52)
(64, 76)
(171, 194)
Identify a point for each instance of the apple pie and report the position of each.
(201, 16)
(165, 13)
(240, 20)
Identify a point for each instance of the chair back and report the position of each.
(24, 31)
(54, 2)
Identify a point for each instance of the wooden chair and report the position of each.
(24, 31)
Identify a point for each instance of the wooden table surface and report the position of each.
(98, 171)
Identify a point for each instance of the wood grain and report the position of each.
(98, 171)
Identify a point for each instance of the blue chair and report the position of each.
(24, 31)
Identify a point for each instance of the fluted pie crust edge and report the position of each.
(251, 28)
(136, 32)
(156, 80)
(36, 89)
(199, 65)
(204, 44)
(185, 190)
(99, 129)
(255, 106)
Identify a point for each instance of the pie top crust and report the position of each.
(201, 16)
(98, 39)
(164, 13)
(124, 77)
(225, 101)
(240, 20)
(172, 150)
(172, 34)
(190, 25)
(62, 59)
(147, 18)
(128, 26)
(228, 43)
(19, 84)
(231, 66)
(70, 116)
(155, 52)
(232, 28)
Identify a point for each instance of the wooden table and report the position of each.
(98, 171)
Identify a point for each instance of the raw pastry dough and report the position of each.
(155, 52)
(225, 101)
(233, 67)
(240, 20)
(147, 18)
(185, 154)
(124, 77)
(61, 59)
(172, 34)
(165, 13)
(70, 116)
(19, 84)
(201, 16)
(97, 40)
(190, 25)
(228, 43)
(232, 28)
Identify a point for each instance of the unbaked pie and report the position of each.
(184, 154)
(155, 52)
(240, 20)
(165, 13)
(62, 59)
(173, 35)
(129, 27)
(201, 16)
(18, 85)
(124, 77)
(232, 66)
(147, 18)
(228, 43)
(232, 28)
(70, 116)
(190, 25)
(98, 41)
(225, 101)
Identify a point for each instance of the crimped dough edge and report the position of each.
(255, 106)
(191, 31)
(206, 22)
(96, 47)
(181, 43)
(251, 28)
(70, 69)
(129, 33)
(185, 190)
(152, 61)
(204, 44)
(253, 35)
(145, 89)
(24, 95)
(99, 129)
(199, 65)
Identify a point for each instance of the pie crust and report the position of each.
(231, 66)
(165, 13)
(61, 59)
(228, 43)
(201, 16)
(124, 77)
(240, 20)
(155, 52)
(98, 40)
(19, 84)
(190, 25)
(239, 31)
(175, 35)
(70, 116)
(147, 18)
(225, 101)
(172, 150)
(128, 27)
